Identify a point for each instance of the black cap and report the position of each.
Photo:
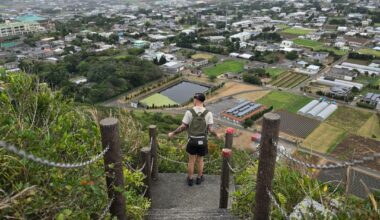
(200, 96)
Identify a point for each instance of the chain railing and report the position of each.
(106, 209)
(275, 203)
(29, 156)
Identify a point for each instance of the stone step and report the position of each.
(190, 214)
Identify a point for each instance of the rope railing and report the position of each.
(29, 156)
(129, 166)
(275, 203)
(106, 209)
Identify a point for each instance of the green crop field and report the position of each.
(284, 100)
(298, 31)
(370, 52)
(228, 66)
(282, 26)
(275, 72)
(323, 138)
(318, 46)
(377, 24)
(202, 55)
(289, 80)
(348, 119)
(158, 100)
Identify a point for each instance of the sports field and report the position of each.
(284, 101)
(323, 138)
(318, 46)
(370, 52)
(228, 66)
(202, 55)
(297, 31)
(158, 100)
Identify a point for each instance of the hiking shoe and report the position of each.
(189, 181)
(199, 180)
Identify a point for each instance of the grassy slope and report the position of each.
(324, 137)
(158, 100)
(348, 119)
(232, 66)
(371, 128)
(284, 100)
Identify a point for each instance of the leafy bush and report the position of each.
(41, 122)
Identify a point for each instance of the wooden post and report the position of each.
(152, 135)
(267, 162)
(145, 159)
(348, 180)
(225, 176)
(109, 129)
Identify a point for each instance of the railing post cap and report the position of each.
(108, 121)
(230, 130)
(152, 126)
(226, 153)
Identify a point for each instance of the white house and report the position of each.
(286, 43)
(243, 36)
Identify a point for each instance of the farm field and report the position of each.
(289, 80)
(282, 26)
(158, 100)
(371, 128)
(284, 101)
(369, 52)
(202, 55)
(323, 138)
(377, 24)
(228, 66)
(318, 46)
(253, 96)
(298, 31)
(275, 72)
(356, 147)
(357, 61)
(296, 125)
(348, 119)
(368, 80)
(231, 88)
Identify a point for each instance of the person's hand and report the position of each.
(220, 136)
(171, 135)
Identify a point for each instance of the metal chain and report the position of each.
(106, 209)
(330, 166)
(170, 160)
(29, 156)
(237, 170)
(283, 212)
(129, 166)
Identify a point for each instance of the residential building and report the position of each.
(286, 43)
(19, 28)
(342, 74)
(173, 67)
(243, 36)
(199, 62)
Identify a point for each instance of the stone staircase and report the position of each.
(173, 199)
(190, 214)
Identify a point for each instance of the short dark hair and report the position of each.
(200, 96)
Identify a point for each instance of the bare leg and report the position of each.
(190, 166)
(200, 165)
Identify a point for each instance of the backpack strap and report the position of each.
(192, 111)
(204, 113)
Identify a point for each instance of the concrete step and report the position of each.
(190, 214)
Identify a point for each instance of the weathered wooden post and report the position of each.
(267, 162)
(145, 159)
(225, 176)
(153, 137)
(109, 129)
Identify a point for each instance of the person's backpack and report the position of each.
(197, 130)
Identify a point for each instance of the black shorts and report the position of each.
(196, 150)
